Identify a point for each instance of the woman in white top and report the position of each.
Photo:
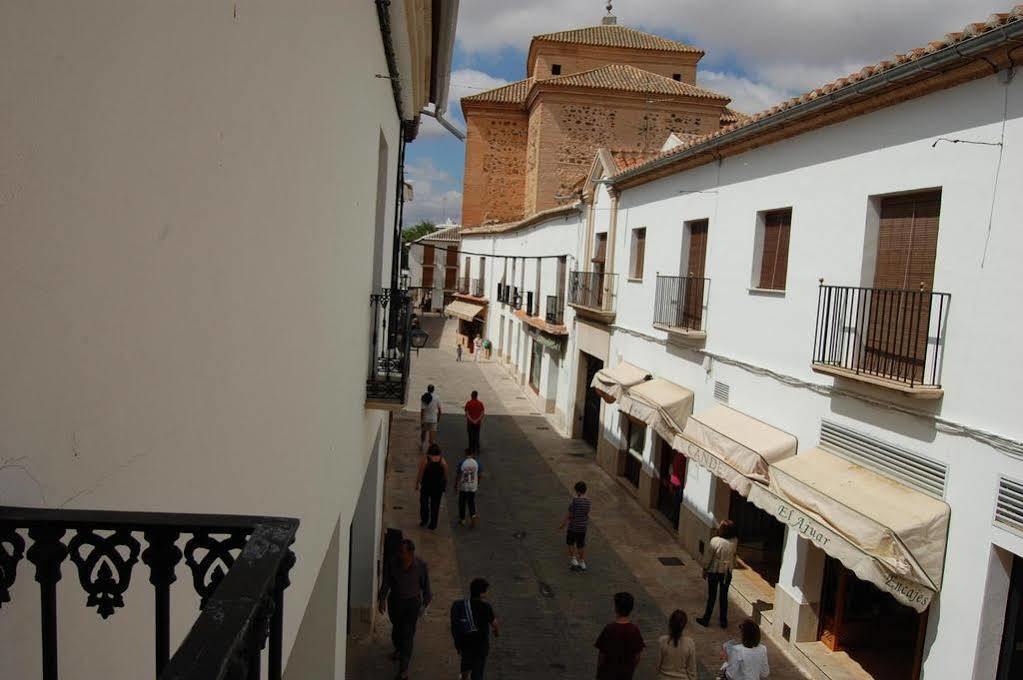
(746, 660)
(718, 572)
(677, 651)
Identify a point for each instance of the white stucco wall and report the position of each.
(190, 198)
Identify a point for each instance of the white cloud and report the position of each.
(747, 95)
(464, 82)
(437, 193)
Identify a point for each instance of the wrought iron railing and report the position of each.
(476, 287)
(503, 292)
(530, 310)
(680, 302)
(463, 285)
(390, 347)
(594, 290)
(555, 312)
(886, 333)
(238, 565)
(516, 298)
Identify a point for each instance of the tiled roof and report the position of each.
(729, 116)
(445, 234)
(519, 224)
(613, 35)
(994, 22)
(630, 159)
(512, 93)
(623, 77)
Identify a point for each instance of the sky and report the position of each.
(757, 52)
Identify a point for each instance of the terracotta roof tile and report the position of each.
(627, 78)
(729, 116)
(994, 22)
(630, 159)
(512, 93)
(613, 35)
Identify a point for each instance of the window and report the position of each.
(637, 253)
(773, 238)
(555, 69)
(676, 76)
(636, 436)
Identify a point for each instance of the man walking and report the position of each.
(477, 345)
(404, 594)
(620, 643)
(429, 415)
(472, 621)
(474, 412)
(467, 482)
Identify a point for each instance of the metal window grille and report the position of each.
(721, 391)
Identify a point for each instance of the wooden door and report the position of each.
(692, 292)
(428, 267)
(591, 406)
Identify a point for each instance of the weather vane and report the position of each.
(610, 6)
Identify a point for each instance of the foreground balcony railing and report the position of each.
(679, 304)
(463, 286)
(592, 291)
(503, 292)
(882, 335)
(238, 566)
(516, 298)
(476, 287)
(387, 383)
(555, 310)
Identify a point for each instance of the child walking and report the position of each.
(467, 483)
(577, 519)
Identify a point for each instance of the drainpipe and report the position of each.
(384, 19)
(612, 240)
(445, 123)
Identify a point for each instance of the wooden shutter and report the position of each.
(692, 293)
(600, 253)
(775, 259)
(907, 241)
(428, 256)
(639, 251)
(697, 248)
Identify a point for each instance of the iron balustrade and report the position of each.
(555, 310)
(895, 334)
(516, 298)
(238, 564)
(389, 364)
(529, 305)
(463, 285)
(680, 302)
(594, 290)
(476, 288)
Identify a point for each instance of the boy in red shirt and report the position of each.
(474, 413)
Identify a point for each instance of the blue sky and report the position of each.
(758, 53)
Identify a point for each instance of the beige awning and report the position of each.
(884, 531)
(463, 310)
(661, 404)
(735, 447)
(611, 383)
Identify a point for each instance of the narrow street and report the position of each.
(550, 615)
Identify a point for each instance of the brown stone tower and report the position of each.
(529, 143)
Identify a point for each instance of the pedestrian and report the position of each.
(477, 344)
(677, 650)
(746, 659)
(718, 572)
(577, 520)
(474, 412)
(487, 346)
(472, 621)
(429, 415)
(620, 643)
(458, 351)
(431, 481)
(404, 595)
(467, 482)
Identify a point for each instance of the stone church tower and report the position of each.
(529, 143)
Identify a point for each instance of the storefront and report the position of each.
(471, 319)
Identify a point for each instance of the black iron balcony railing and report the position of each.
(502, 292)
(463, 285)
(238, 565)
(594, 290)
(555, 310)
(391, 312)
(680, 302)
(476, 288)
(887, 333)
(516, 298)
(530, 310)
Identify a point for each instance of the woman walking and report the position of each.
(718, 572)
(677, 651)
(431, 481)
(746, 660)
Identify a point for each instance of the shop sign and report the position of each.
(553, 344)
(715, 465)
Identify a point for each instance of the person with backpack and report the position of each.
(431, 481)
(472, 621)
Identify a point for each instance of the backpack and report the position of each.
(463, 622)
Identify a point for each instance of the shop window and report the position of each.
(772, 249)
(637, 253)
(636, 436)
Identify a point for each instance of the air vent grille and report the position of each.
(721, 391)
(887, 459)
(1009, 512)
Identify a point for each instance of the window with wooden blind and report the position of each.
(600, 249)
(637, 253)
(428, 266)
(774, 256)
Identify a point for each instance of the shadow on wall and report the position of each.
(921, 429)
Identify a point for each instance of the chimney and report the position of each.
(610, 20)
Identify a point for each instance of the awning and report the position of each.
(611, 383)
(463, 310)
(883, 531)
(735, 447)
(662, 405)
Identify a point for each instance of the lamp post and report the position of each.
(418, 337)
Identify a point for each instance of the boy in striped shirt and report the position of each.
(577, 519)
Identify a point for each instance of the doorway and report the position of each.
(669, 495)
(1010, 661)
(591, 406)
(761, 538)
(535, 363)
(695, 267)
(882, 635)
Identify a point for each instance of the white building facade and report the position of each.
(433, 268)
(203, 203)
(806, 320)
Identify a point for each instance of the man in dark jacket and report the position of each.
(404, 593)
(472, 621)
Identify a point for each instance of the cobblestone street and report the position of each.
(550, 615)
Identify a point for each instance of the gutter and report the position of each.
(445, 123)
(384, 18)
(947, 55)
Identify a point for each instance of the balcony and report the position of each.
(516, 298)
(555, 310)
(890, 338)
(238, 566)
(390, 349)
(592, 295)
(503, 293)
(680, 306)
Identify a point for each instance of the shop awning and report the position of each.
(883, 531)
(735, 447)
(661, 404)
(463, 310)
(611, 383)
